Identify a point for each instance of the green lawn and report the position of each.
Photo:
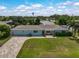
(2, 41)
(55, 47)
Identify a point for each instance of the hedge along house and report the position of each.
(36, 30)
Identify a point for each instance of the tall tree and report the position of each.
(37, 21)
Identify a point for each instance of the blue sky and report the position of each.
(39, 7)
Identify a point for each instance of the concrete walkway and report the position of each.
(11, 48)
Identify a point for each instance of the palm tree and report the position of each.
(74, 25)
(75, 29)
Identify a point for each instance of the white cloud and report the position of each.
(39, 9)
(50, 7)
(22, 8)
(68, 7)
(76, 4)
(2, 7)
(68, 3)
(37, 5)
(59, 10)
(46, 11)
(61, 6)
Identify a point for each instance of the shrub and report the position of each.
(4, 30)
(63, 33)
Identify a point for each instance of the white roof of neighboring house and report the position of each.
(6, 21)
(46, 22)
(76, 20)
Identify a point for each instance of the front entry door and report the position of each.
(48, 32)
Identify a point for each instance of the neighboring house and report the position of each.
(7, 22)
(36, 30)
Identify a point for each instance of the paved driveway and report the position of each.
(11, 48)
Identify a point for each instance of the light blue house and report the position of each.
(36, 30)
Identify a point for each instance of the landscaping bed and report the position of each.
(49, 47)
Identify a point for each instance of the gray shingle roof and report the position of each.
(39, 27)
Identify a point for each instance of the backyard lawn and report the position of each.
(2, 41)
(52, 47)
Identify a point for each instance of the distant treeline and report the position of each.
(35, 20)
(52, 17)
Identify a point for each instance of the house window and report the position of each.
(35, 31)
